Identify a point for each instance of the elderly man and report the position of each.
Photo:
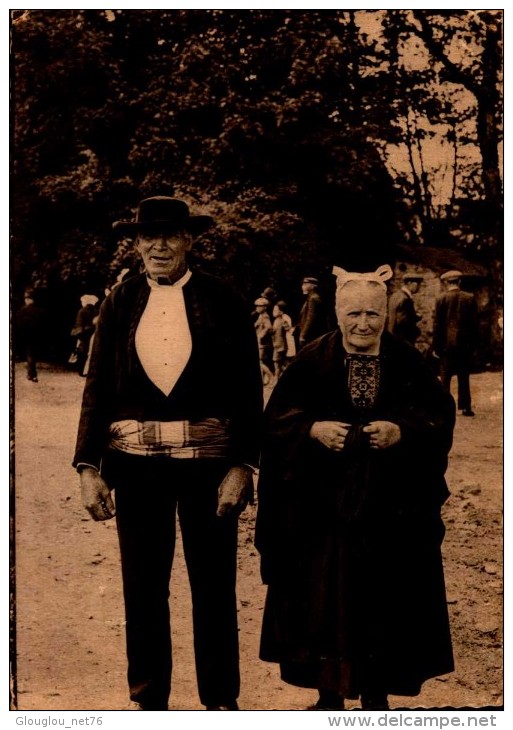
(351, 484)
(312, 321)
(171, 429)
(455, 334)
(402, 317)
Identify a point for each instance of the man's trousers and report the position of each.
(148, 493)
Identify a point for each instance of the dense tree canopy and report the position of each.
(309, 135)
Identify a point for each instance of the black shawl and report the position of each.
(350, 541)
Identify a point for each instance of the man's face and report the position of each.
(164, 254)
(260, 308)
(412, 285)
(361, 313)
(307, 286)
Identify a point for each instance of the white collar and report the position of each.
(407, 291)
(177, 285)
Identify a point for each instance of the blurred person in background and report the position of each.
(455, 337)
(83, 330)
(402, 317)
(29, 332)
(279, 339)
(272, 297)
(312, 320)
(264, 334)
(282, 338)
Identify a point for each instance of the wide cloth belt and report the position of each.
(204, 439)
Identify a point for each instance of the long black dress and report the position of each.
(350, 541)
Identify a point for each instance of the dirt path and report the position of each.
(70, 633)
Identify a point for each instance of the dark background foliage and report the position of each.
(285, 125)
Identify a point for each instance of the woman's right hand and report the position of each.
(331, 434)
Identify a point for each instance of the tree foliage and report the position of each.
(286, 125)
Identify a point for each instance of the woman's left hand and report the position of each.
(383, 434)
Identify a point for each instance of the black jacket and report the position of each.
(313, 320)
(222, 378)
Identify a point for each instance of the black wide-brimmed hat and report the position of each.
(161, 213)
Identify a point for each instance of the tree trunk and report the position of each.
(417, 186)
(488, 103)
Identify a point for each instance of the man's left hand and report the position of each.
(235, 491)
(383, 434)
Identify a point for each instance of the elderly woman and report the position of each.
(349, 527)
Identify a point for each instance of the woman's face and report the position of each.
(361, 309)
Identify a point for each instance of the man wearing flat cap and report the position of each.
(455, 336)
(402, 316)
(312, 321)
(171, 429)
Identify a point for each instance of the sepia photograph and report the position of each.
(257, 278)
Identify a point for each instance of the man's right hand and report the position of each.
(96, 496)
(331, 434)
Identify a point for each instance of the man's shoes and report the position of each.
(375, 702)
(319, 706)
(468, 412)
(149, 706)
(328, 701)
(218, 708)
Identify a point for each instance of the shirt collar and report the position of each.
(407, 291)
(177, 285)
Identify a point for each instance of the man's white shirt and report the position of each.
(163, 338)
